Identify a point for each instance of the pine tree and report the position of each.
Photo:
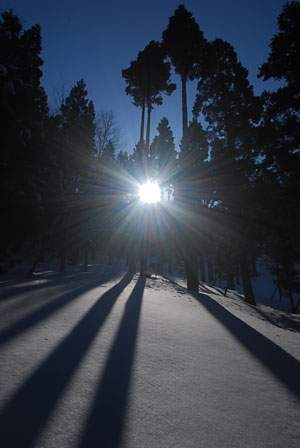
(23, 111)
(185, 45)
(146, 79)
(279, 152)
(75, 156)
(162, 152)
(229, 106)
(78, 129)
(192, 166)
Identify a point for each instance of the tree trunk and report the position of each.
(160, 269)
(143, 266)
(184, 106)
(86, 258)
(131, 258)
(40, 257)
(191, 269)
(246, 280)
(63, 253)
(210, 270)
(148, 129)
(202, 268)
(62, 260)
(142, 124)
(293, 309)
(75, 256)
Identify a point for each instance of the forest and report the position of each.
(230, 192)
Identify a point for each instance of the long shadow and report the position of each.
(53, 279)
(9, 291)
(105, 424)
(46, 310)
(281, 322)
(23, 417)
(282, 365)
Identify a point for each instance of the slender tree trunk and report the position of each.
(132, 265)
(64, 248)
(40, 257)
(86, 258)
(148, 128)
(190, 261)
(75, 256)
(210, 270)
(132, 259)
(184, 106)
(143, 266)
(293, 309)
(191, 269)
(159, 268)
(246, 280)
(142, 124)
(62, 260)
(202, 268)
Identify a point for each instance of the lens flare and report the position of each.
(149, 193)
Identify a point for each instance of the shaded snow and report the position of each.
(106, 359)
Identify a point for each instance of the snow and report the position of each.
(108, 359)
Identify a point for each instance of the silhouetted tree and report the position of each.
(162, 152)
(146, 79)
(185, 45)
(228, 104)
(107, 130)
(279, 153)
(23, 110)
(75, 152)
(78, 128)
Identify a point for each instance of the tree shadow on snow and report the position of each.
(49, 308)
(52, 279)
(282, 365)
(23, 417)
(281, 321)
(106, 420)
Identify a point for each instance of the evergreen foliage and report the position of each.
(23, 111)
(147, 78)
(162, 152)
(185, 45)
(279, 143)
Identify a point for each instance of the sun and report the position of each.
(149, 193)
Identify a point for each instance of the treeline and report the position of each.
(233, 187)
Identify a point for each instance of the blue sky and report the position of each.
(95, 40)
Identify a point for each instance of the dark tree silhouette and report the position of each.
(146, 79)
(78, 127)
(283, 60)
(185, 45)
(279, 151)
(75, 149)
(162, 152)
(23, 111)
(107, 130)
(226, 100)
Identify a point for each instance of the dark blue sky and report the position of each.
(94, 40)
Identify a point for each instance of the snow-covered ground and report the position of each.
(108, 359)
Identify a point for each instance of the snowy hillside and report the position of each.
(108, 359)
